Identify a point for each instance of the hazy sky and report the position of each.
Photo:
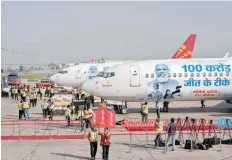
(68, 31)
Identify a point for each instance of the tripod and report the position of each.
(178, 127)
(211, 129)
(201, 127)
(187, 125)
(194, 130)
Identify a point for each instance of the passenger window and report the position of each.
(209, 74)
(169, 74)
(112, 74)
(203, 74)
(146, 75)
(85, 72)
(174, 74)
(215, 74)
(198, 74)
(180, 74)
(186, 74)
(192, 75)
(152, 75)
(220, 74)
(227, 73)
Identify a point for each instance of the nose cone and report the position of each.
(55, 78)
(90, 86)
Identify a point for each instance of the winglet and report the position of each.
(185, 51)
(226, 55)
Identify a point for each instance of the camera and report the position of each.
(193, 120)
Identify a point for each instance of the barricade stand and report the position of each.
(191, 139)
(84, 131)
(165, 134)
(35, 127)
(19, 132)
(58, 129)
(49, 131)
(130, 142)
(13, 128)
(220, 140)
(180, 136)
(146, 134)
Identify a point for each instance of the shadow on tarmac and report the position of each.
(70, 155)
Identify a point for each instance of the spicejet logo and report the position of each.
(107, 84)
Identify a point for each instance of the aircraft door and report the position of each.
(78, 73)
(135, 76)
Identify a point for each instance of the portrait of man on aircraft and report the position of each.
(93, 71)
(163, 82)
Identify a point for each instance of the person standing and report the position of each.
(44, 106)
(93, 139)
(26, 107)
(68, 114)
(31, 99)
(35, 98)
(171, 130)
(50, 110)
(144, 112)
(20, 107)
(105, 143)
(159, 130)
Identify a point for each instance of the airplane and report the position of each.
(165, 80)
(75, 76)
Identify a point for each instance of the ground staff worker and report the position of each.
(68, 114)
(26, 107)
(144, 112)
(105, 143)
(159, 130)
(93, 139)
(35, 98)
(20, 107)
(31, 99)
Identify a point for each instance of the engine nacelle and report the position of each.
(229, 101)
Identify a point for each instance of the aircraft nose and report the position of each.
(54, 78)
(89, 86)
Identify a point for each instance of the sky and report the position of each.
(62, 32)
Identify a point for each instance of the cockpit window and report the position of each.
(106, 74)
(62, 72)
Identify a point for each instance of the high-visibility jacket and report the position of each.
(67, 112)
(145, 109)
(75, 91)
(159, 128)
(93, 136)
(20, 106)
(52, 90)
(16, 91)
(26, 105)
(80, 114)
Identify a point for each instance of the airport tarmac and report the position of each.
(120, 148)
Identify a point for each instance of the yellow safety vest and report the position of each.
(52, 90)
(145, 109)
(80, 114)
(20, 106)
(26, 105)
(75, 91)
(159, 128)
(15, 91)
(67, 112)
(93, 136)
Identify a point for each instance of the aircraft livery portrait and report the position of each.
(93, 70)
(163, 87)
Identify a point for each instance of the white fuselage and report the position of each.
(176, 79)
(75, 76)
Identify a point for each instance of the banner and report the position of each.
(103, 118)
